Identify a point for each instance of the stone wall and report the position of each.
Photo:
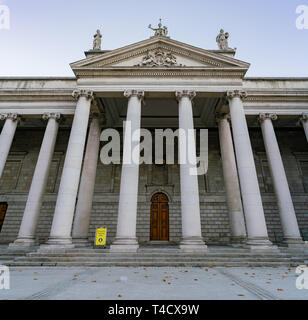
(19, 169)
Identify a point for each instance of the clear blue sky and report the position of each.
(46, 35)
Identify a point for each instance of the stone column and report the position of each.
(87, 183)
(289, 224)
(60, 234)
(252, 202)
(7, 136)
(26, 235)
(126, 240)
(233, 194)
(304, 121)
(190, 208)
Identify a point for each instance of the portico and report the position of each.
(157, 83)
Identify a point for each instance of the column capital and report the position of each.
(270, 116)
(12, 116)
(94, 115)
(222, 116)
(51, 115)
(303, 118)
(83, 93)
(185, 93)
(99, 116)
(236, 93)
(134, 93)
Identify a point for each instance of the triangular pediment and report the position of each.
(159, 53)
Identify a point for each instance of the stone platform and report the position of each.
(157, 256)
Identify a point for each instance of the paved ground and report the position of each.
(153, 283)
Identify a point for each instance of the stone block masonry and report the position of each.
(18, 172)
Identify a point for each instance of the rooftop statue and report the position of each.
(160, 31)
(97, 41)
(222, 40)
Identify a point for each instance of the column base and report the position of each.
(293, 242)
(261, 244)
(55, 244)
(238, 242)
(23, 242)
(193, 245)
(124, 245)
(81, 242)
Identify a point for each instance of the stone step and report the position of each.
(8, 257)
(153, 264)
(170, 256)
(157, 258)
(160, 254)
(295, 260)
(159, 251)
(13, 253)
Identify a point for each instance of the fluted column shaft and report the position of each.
(7, 136)
(127, 214)
(233, 194)
(252, 202)
(26, 235)
(289, 223)
(87, 183)
(190, 206)
(60, 234)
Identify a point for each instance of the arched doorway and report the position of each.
(159, 230)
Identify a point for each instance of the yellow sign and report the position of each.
(100, 237)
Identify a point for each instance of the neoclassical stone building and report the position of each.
(54, 190)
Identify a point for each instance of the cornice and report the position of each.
(31, 78)
(38, 95)
(174, 50)
(37, 98)
(161, 72)
(277, 97)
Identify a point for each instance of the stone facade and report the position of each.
(18, 173)
(257, 167)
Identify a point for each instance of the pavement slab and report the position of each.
(152, 283)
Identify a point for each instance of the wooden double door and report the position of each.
(159, 218)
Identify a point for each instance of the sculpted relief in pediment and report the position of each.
(159, 58)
